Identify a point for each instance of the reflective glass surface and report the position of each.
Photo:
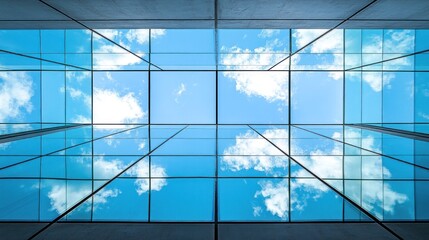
(206, 125)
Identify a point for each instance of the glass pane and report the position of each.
(183, 97)
(182, 199)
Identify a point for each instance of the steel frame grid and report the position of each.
(289, 71)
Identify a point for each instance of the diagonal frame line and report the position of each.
(368, 150)
(63, 149)
(102, 186)
(392, 131)
(44, 60)
(332, 188)
(35, 133)
(387, 60)
(101, 35)
(319, 37)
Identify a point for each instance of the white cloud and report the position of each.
(261, 152)
(266, 33)
(275, 197)
(78, 76)
(142, 145)
(74, 93)
(399, 41)
(107, 169)
(257, 210)
(111, 107)
(16, 91)
(108, 33)
(179, 91)
(330, 43)
(377, 80)
(375, 45)
(102, 196)
(142, 35)
(270, 85)
(423, 115)
(109, 76)
(74, 193)
(4, 146)
(325, 163)
(112, 57)
(141, 170)
(57, 197)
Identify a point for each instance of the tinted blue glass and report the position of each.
(398, 97)
(52, 198)
(78, 97)
(120, 97)
(183, 97)
(20, 41)
(78, 41)
(316, 94)
(182, 200)
(52, 41)
(398, 200)
(22, 201)
(53, 167)
(372, 85)
(20, 93)
(44, 173)
(121, 202)
(421, 84)
(312, 200)
(183, 166)
(422, 196)
(192, 41)
(422, 36)
(253, 97)
(253, 200)
(353, 40)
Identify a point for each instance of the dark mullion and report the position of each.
(92, 123)
(41, 120)
(220, 177)
(344, 118)
(216, 180)
(149, 128)
(211, 70)
(289, 123)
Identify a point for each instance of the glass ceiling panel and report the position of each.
(157, 130)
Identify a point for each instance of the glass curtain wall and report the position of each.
(225, 125)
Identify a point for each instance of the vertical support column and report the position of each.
(41, 120)
(92, 122)
(289, 120)
(344, 117)
(149, 129)
(216, 185)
